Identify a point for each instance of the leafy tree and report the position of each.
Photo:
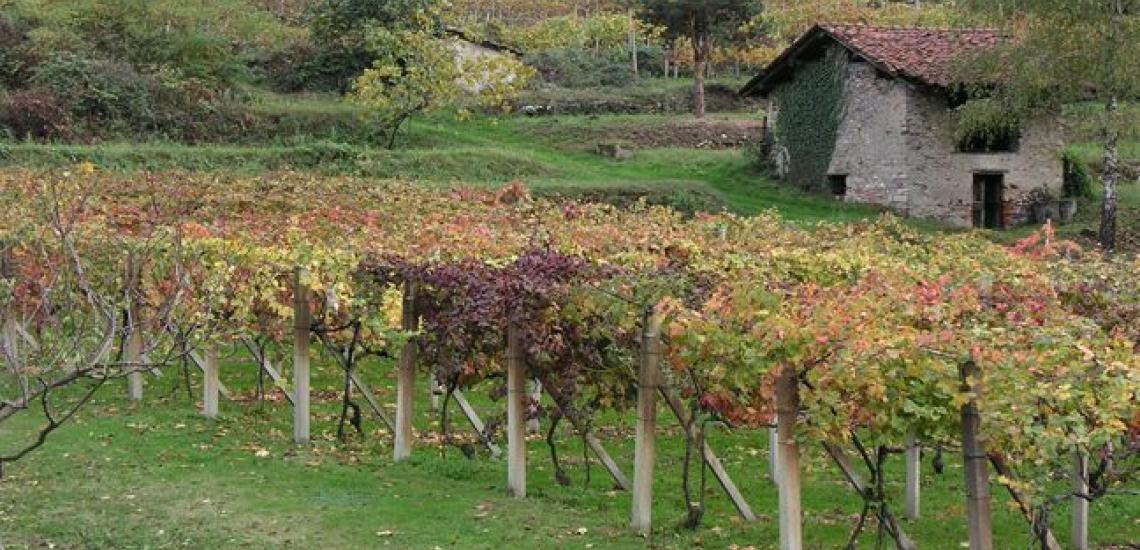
(343, 30)
(412, 72)
(1066, 51)
(415, 71)
(703, 22)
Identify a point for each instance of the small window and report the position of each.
(838, 184)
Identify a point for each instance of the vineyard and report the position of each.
(870, 344)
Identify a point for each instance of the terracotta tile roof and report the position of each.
(922, 55)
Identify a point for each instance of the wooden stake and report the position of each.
(200, 362)
(974, 455)
(406, 380)
(591, 441)
(707, 453)
(787, 411)
(476, 422)
(1020, 499)
(1080, 531)
(913, 477)
(264, 364)
(645, 446)
(210, 386)
(840, 458)
(516, 408)
(301, 323)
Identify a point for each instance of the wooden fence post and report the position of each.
(406, 381)
(645, 446)
(301, 323)
(516, 428)
(977, 472)
(210, 386)
(913, 477)
(1080, 530)
(133, 355)
(788, 461)
(532, 425)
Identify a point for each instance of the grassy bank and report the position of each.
(548, 154)
(157, 475)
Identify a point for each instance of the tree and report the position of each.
(703, 22)
(1066, 51)
(343, 30)
(415, 71)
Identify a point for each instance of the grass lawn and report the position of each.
(158, 475)
(548, 154)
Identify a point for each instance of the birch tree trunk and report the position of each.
(1110, 177)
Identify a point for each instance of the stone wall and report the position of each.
(942, 179)
(870, 146)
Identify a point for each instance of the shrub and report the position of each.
(1077, 180)
(202, 57)
(98, 89)
(15, 58)
(289, 68)
(35, 113)
(576, 68)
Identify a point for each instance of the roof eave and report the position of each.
(761, 84)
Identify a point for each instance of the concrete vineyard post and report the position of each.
(133, 356)
(406, 382)
(913, 477)
(977, 471)
(516, 426)
(645, 445)
(532, 425)
(301, 323)
(1080, 530)
(788, 461)
(434, 391)
(774, 453)
(210, 385)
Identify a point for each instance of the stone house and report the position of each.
(884, 131)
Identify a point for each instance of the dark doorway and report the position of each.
(988, 201)
(838, 185)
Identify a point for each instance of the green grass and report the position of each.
(484, 151)
(551, 155)
(158, 475)
(1092, 153)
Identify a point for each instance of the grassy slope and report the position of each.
(322, 135)
(158, 475)
(482, 151)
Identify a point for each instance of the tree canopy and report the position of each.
(1065, 51)
(702, 23)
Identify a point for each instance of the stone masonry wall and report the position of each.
(941, 179)
(870, 146)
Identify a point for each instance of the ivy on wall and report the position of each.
(807, 125)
